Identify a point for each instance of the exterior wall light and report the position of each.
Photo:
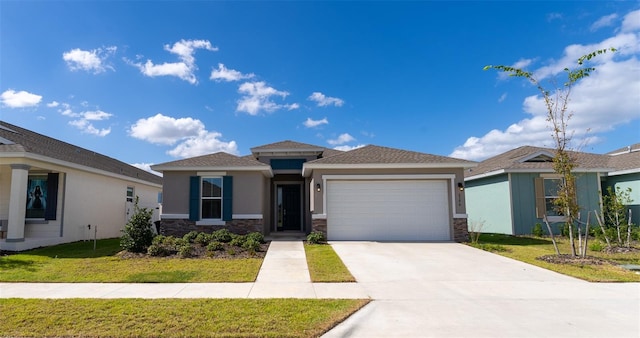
(460, 186)
(318, 187)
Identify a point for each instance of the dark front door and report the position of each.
(289, 207)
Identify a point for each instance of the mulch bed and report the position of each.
(200, 252)
(568, 259)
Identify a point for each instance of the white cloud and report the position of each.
(90, 61)
(554, 16)
(84, 120)
(228, 75)
(189, 134)
(347, 148)
(605, 21)
(323, 100)
(88, 128)
(631, 22)
(146, 167)
(309, 123)
(601, 102)
(342, 139)
(257, 97)
(53, 104)
(185, 69)
(502, 97)
(22, 99)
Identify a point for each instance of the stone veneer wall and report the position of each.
(319, 225)
(460, 230)
(180, 227)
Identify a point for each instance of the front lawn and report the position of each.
(172, 317)
(325, 265)
(528, 249)
(78, 263)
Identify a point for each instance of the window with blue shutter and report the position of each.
(194, 198)
(52, 203)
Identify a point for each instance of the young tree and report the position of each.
(137, 234)
(614, 210)
(558, 115)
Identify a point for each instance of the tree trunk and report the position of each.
(629, 230)
(606, 238)
(586, 236)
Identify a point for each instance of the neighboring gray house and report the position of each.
(625, 164)
(51, 191)
(511, 192)
(370, 193)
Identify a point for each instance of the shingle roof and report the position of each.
(627, 149)
(626, 161)
(215, 160)
(28, 141)
(372, 154)
(287, 144)
(516, 160)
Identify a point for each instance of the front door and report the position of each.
(288, 207)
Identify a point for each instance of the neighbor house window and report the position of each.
(37, 194)
(211, 198)
(130, 194)
(547, 192)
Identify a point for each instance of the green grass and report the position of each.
(173, 317)
(325, 265)
(527, 249)
(78, 262)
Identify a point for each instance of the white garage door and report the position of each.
(393, 210)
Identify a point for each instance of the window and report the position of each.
(551, 186)
(211, 198)
(130, 194)
(36, 196)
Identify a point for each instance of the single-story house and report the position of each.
(511, 192)
(369, 193)
(625, 164)
(52, 192)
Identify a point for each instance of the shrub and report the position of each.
(256, 236)
(222, 235)
(215, 246)
(203, 239)
(316, 237)
(185, 251)
(251, 245)
(157, 250)
(237, 240)
(137, 234)
(191, 236)
(537, 230)
(231, 251)
(178, 242)
(596, 246)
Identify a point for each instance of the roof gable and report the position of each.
(215, 161)
(19, 140)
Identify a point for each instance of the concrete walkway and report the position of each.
(283, 274)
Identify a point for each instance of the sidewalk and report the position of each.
(284, 274)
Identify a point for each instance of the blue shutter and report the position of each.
(52, 196)
(227, 198)
(194, 198)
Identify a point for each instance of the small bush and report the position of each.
(185, 251)
(179, 242)
(222, 235)
(256, 236)
(596, 246)
(215, 246)
(316, 237)
(231, 251)
(251, 245)
(238, 240)
(137, 234)
(191, 236)
(202, 239)
(537, 230)
(157, 250)
(159, 239)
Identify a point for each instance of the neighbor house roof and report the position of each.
(20, 142)
(535, 159)
(371, 156)
(625, 160)
(215, 161)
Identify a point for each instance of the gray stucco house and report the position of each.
(625, 173)
(369, 193)
(511, 192)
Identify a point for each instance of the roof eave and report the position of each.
(307, 168)
(265, 169)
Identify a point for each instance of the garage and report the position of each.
(388, 210)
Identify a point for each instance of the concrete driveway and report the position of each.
(452, 290)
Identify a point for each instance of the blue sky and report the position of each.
(149, 82)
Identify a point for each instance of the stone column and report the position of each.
(17, 202)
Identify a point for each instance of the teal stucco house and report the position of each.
(511, 192)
